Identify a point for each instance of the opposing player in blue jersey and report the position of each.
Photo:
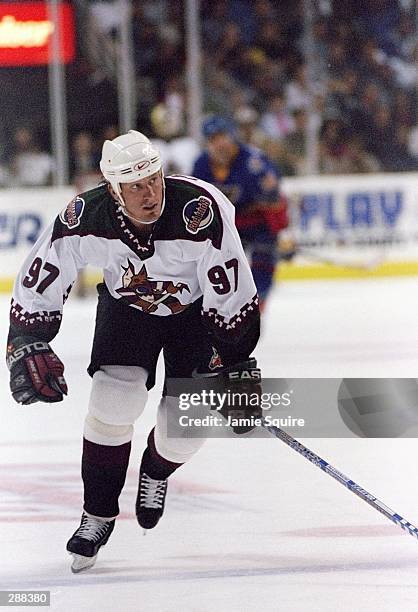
(251, 182)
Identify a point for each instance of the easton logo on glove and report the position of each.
(14, 354)
(250, 374)
(246, 371)
(36, 373)
(244, 380)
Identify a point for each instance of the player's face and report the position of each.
(144, 199)
(221, 148)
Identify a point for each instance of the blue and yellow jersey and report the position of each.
(251, 178)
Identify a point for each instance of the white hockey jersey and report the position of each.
(194, 250)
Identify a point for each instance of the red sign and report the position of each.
(26, 31)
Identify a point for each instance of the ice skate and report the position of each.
(150, 500)
(86, 541)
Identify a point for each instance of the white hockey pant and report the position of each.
(118, 397)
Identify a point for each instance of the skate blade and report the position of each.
(81, 563)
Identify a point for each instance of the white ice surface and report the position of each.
(249, 525)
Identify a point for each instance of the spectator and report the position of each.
(398, 157)
(338, 59)
(84, 159)
(277, 122)
(109, 133)
(365, 52)
(297, 90)
(333, 149)
(107, 16)
(369, 103)
(29, 166)
(84, 162)
(246, 119)
(361, 161)
(218, 91)
(403, 110)
(383, 136)
(231, 48)
(5, 178)
(214, 17)
(294, 146)
(343, 96)
(413, 141)
(267, 79)
(272, 41)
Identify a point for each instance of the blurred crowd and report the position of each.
(353, 84)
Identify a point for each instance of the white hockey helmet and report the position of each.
(128, 158)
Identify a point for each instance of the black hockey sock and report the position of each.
(103, 469)
(154, 464)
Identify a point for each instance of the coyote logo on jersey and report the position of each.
(139, 290)
(215, 360)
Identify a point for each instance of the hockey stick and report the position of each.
(341, 478)
(365, 263)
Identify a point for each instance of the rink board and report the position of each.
(352, 220)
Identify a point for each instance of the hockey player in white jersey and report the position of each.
(175, 279)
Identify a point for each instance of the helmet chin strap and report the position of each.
(122, 206)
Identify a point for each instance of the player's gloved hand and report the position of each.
(244, 380)
(287, 248)
(36, 373)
